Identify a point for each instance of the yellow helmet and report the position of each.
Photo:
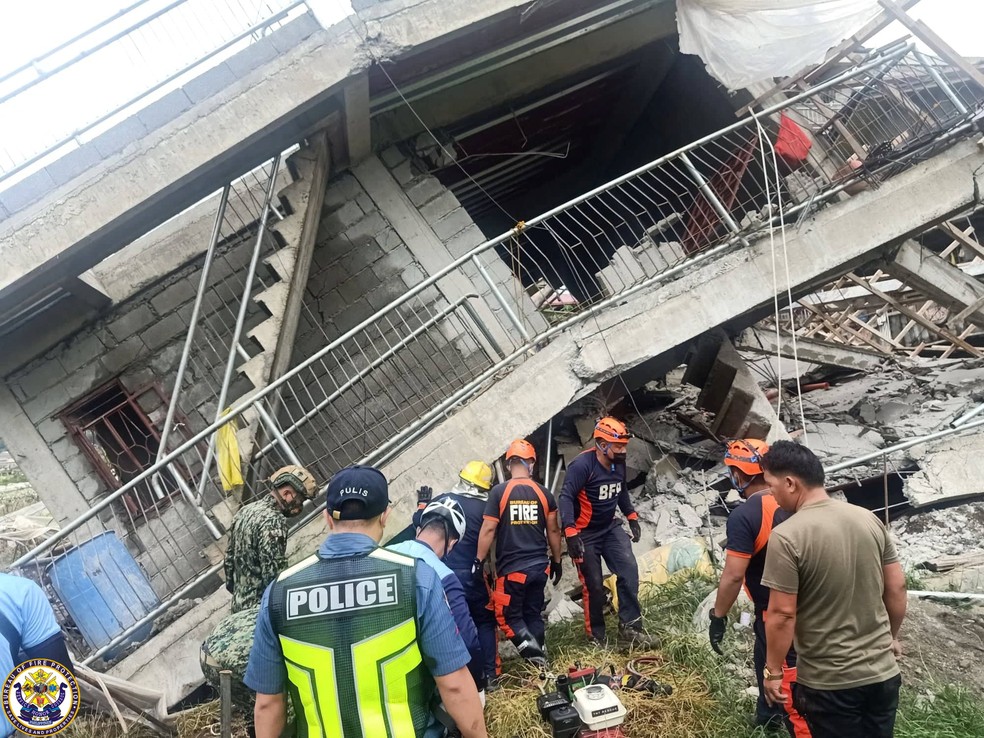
(478, 473)
(297, 478)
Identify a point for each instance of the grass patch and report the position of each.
(949, 712)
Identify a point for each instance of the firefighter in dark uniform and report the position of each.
(360, 636)
(749, 527)
(521, 516)
(594, 487)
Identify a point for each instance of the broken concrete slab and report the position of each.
(809, 350)
(949, 469)
(834, 442)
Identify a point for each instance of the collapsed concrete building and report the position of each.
(412, 236)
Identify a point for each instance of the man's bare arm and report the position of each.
(270, 715)
(894, 596)
(732, 578)
(460, 698)
(553, 536)
(779, 628)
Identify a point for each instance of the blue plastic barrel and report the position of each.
(104, 590)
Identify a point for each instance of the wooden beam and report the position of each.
(912, 314)
(846, 329)
(875, 25)
(928, 36)
(963, 238)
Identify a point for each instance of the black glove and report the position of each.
(477, 567)
(556, 571)
(716, 631)
(636, 530)
(424, 496)
(575, 548)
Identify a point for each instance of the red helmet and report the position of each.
(521, 448)
(611, 430)
(746, 454)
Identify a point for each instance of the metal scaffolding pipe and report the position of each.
(546, 455)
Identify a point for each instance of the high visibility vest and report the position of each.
(348, 630)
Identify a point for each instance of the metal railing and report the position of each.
(118, 66)
(375, 387)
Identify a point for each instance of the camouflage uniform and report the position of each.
(228, 647)
(257, 552)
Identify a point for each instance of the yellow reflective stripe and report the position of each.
(368, 657)
(395, 692)
(311, 669)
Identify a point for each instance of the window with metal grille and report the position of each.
(119, 432)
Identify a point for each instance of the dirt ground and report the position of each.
(943, 643)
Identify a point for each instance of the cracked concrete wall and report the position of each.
(139, 342)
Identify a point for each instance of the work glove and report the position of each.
(636, 530)
(716, 631)
(575, 548)
(477, 567)
(556, 572)
(424, 496)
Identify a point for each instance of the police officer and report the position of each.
(28, 627)
(593, 487)
(359, 636)
(749, 527)
(257, 549)
(442, 526)
(521, 516)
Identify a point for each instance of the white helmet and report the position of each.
(450, 513)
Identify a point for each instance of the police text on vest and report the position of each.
(336, 597)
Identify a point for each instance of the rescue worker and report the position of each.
(360, 636)
(594, 487)
(227, 647)
(257, 549)
(749, 527)
(470, 491)
(28, 630)
(442, 526)
(521, 516)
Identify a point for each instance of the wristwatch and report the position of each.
(770, 677)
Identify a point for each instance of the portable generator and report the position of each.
(598, 708)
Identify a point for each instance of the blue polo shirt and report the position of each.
(24, 604)
(440, 644)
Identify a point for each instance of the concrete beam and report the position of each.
(938, 279)
(36, 459)
(264, 112)
(358, 138)
(811, 350)
(732, 290)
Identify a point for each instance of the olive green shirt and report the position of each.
(830, 554)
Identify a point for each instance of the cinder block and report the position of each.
(42, 376)
(366, 228)
(255, 55)
(340, 190)
(440, 206)
(339, 220)
(209, 83)
(45, 404)
(357, 286)
(64, 448)
(52, 430)
(392, 157)
(388, 239)
(465, 240)
(413, 275)
(287, 37)
(453, 223)
(91, 487)
(164, 110)
(361, 256)
(119, 136)
(117, 359)
(77, 468)
(425, 190)
(83, 350)
(323, 280)
(403, 173)
(386, 293)
(393, 262)
(74, 163)
(162, 331)
(174, 295)
(30, 189)
(353, 314)
(136, 318)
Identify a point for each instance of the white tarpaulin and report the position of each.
(747, 41)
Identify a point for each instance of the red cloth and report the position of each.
(793, 144)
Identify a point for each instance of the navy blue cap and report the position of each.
(365, 484)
